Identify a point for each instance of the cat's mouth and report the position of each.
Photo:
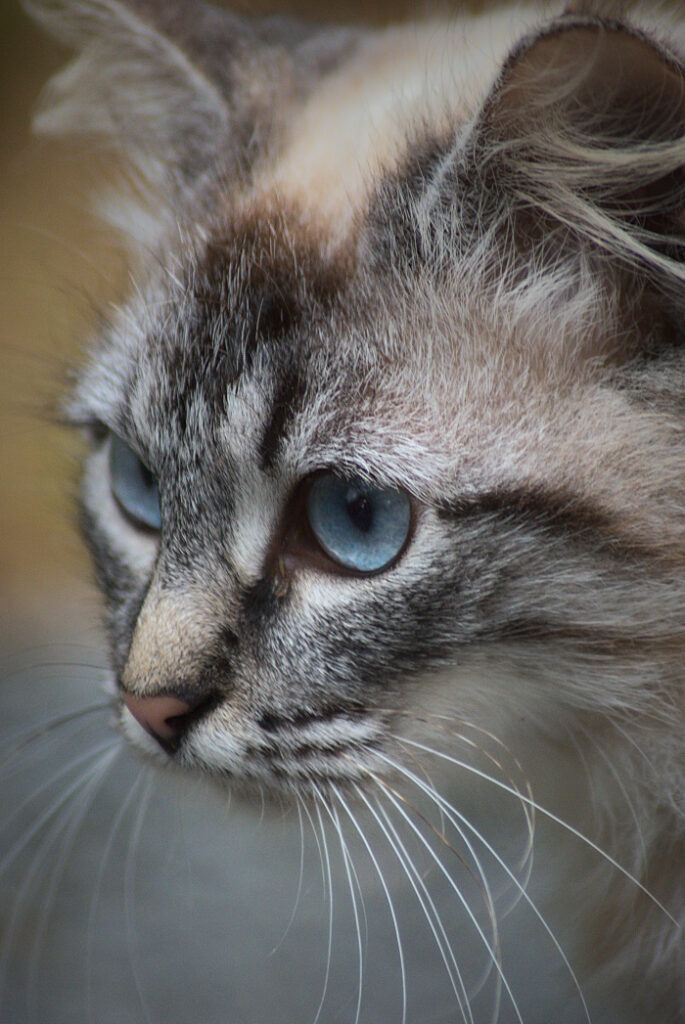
(335, 744)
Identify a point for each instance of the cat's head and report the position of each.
(391, 425)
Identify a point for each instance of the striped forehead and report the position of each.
(360, 119)
(248, 312)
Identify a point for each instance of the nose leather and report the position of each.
(163, 717)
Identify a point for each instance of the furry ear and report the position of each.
(587, 126)
(185, 90)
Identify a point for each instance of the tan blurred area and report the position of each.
(58, 264)
(51, 254)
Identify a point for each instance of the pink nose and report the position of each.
(163, 717)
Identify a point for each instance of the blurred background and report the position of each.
(51, 256)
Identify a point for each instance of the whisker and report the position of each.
(350, 871)
(453, 813)
(448, 724)
(525, 864)
(25, 666)
(624, 734)
(492, 947)
(26, 838)
(329, 877)
(306, 810)
(83, 803)
(95, 897)
(358, 887)
(34, 733)
(528, 811)
(478, 875)
(421, 768)
(551, 816)
(41, 755)
(480, 878)
(129, 894)
(107, 755)
(29, 650)
(626, 795)
(427, 904)
(388, 897)
(300, 881)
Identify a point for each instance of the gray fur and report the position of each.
(500, 335)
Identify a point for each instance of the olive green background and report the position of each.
(41, 232)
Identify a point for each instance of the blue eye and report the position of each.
(362, 527)
(133, 485)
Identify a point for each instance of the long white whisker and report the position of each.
(455, 816)
(388, 898)
(329, 876)
(358, 886)
(129, 894)
(73, 820)
(551, 816)
(300, 881)
(20, 665)
(482, 877)
(491, 946)
(427, 904)
(35, 733)
(447, 722)
(22, 843)
(624, 734)
(526, 861)
(626, 795)
(95, 897)
(351, 878)
(18, 767)
(108, 753)
(322, 865)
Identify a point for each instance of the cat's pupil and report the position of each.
(146, 477)
(360, 510)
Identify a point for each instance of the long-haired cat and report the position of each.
(386, 489)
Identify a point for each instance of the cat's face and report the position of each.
(371, 451)
(275, 517)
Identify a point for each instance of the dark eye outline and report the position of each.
(299, 547)
(131, 510)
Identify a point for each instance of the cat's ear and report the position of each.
(597, 77)
(183, 89)
(586, 125)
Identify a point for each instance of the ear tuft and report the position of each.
(587, 125)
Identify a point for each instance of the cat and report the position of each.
(385, 489)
